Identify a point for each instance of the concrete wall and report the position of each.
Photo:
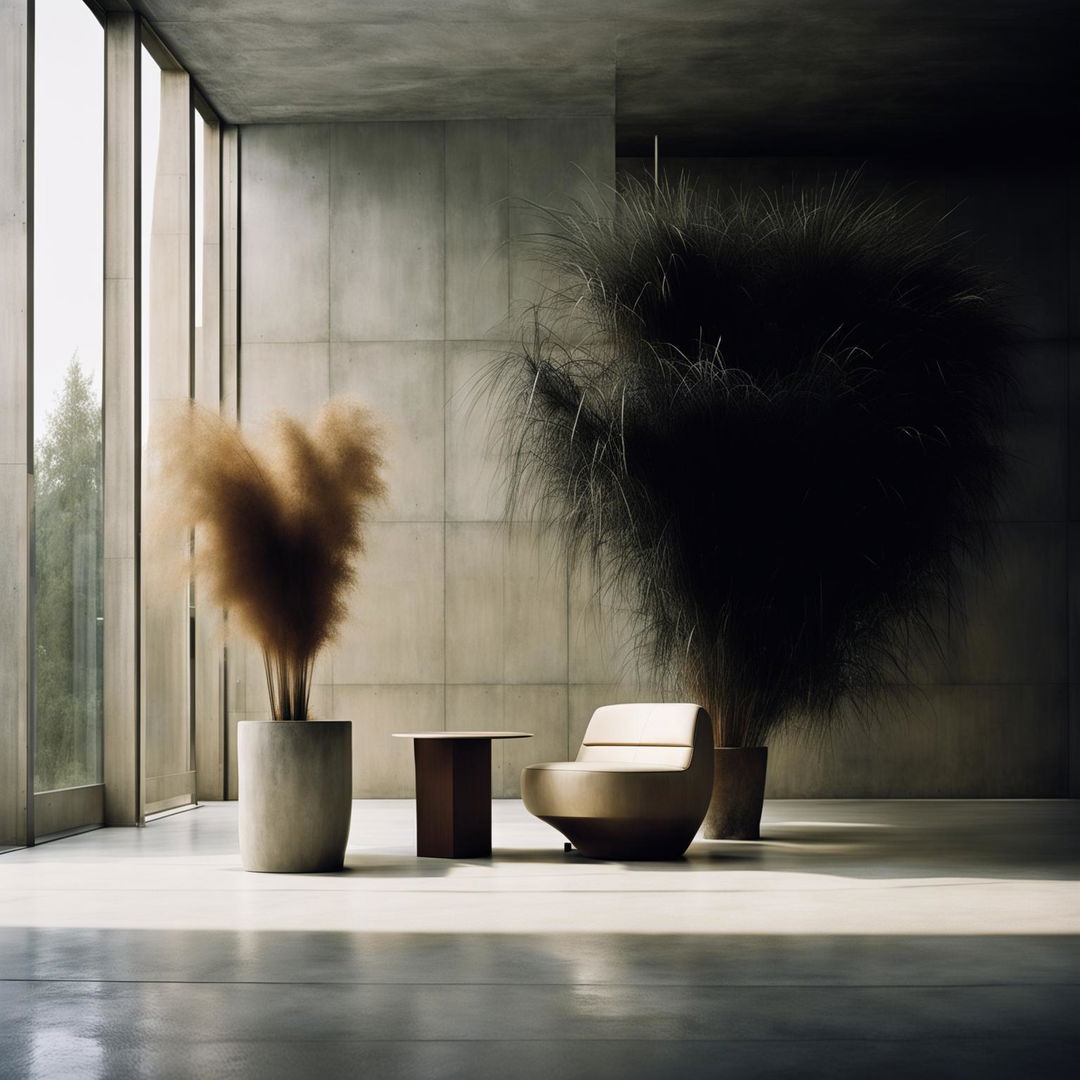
(999, 714)
(383, 260)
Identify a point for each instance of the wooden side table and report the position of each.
(453, 791)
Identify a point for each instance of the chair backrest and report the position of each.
(647, 733)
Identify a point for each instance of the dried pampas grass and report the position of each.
(279, 532)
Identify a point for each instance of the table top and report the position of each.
(462, 734)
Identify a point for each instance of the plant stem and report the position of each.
(269, 685)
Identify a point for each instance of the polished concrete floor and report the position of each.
(857, 939)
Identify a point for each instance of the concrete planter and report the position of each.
(295, 795)
(738, 793)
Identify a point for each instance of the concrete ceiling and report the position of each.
(722, 76)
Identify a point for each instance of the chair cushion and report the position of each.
(675, 757)
(637, 766)
(642, 724)
(617, 790)
(651, 733)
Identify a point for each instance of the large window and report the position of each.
(112, 191)
(167, 359)
(202, 133)
(67, 378)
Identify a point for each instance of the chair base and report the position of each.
(625, 839)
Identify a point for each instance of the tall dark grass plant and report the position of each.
(772, 422)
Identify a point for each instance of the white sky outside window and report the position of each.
(69, 104)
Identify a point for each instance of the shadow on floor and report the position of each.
(1026, 849)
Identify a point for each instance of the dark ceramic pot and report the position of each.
(738, 793)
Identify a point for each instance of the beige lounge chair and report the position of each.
(640, 785)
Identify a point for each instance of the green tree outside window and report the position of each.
(68, 588)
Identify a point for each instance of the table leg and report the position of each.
(453, 798)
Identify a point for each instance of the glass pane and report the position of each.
(69, 111)
(201, 130)
(166, 377)
(151, 135)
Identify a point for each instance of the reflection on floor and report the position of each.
(857, 939)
